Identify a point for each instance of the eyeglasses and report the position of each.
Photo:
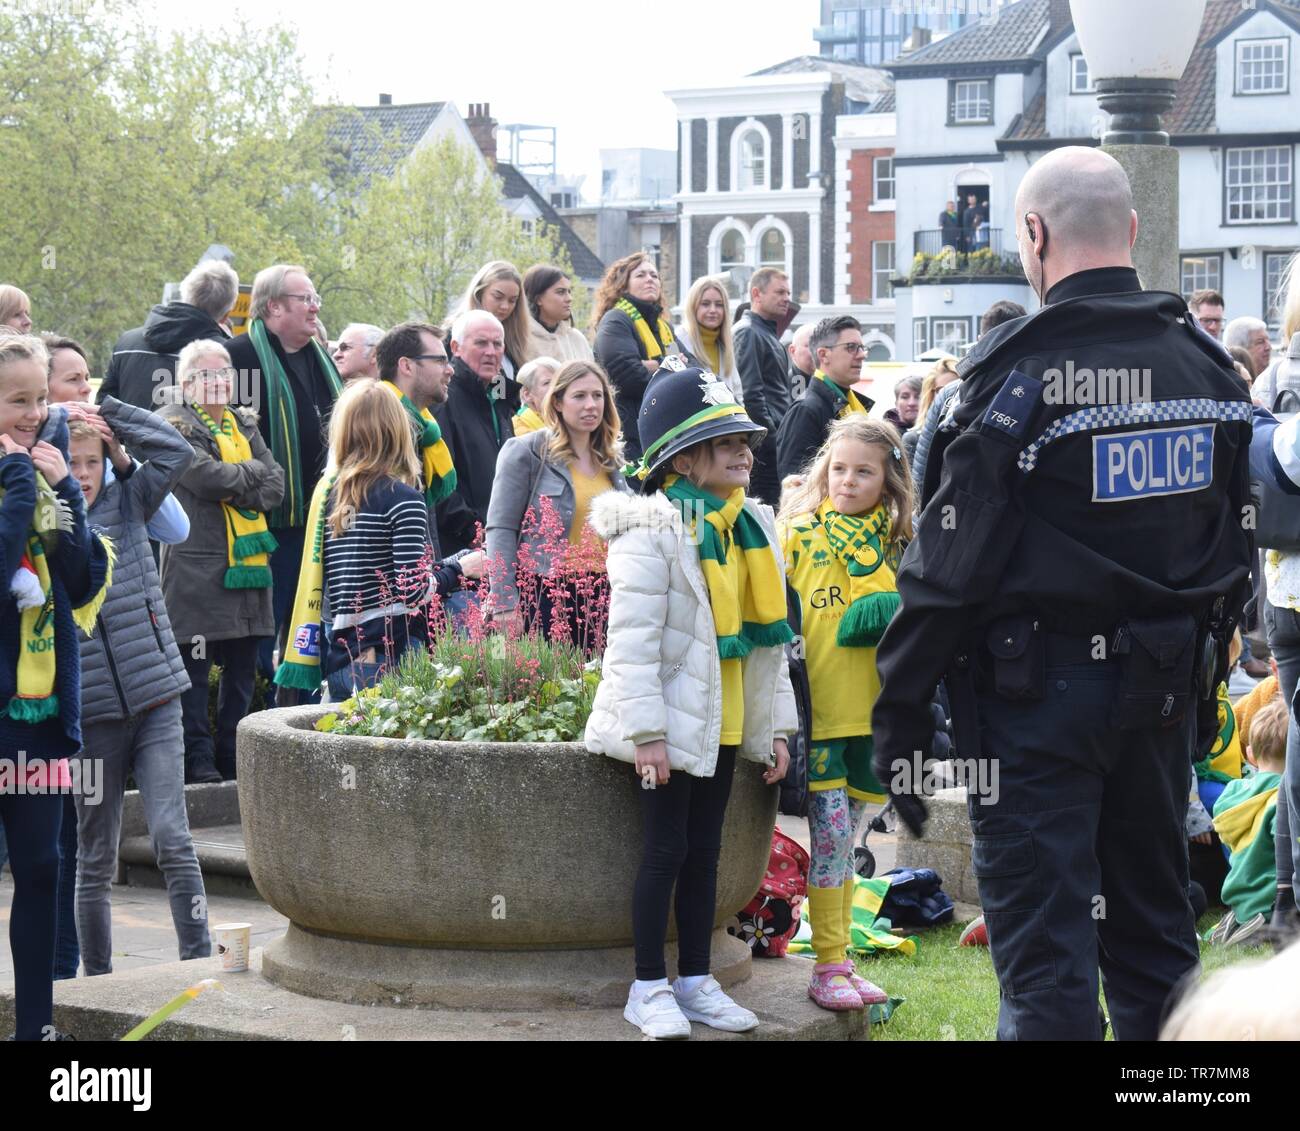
(440, 358)
(211, 375)
(854, 348)
(312, 299)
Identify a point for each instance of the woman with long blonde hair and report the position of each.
(15, 309)
(377, 561)
(538, 540)
(705, 333)
(498, 288)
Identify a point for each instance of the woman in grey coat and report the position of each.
(546, 566)
(214, 624)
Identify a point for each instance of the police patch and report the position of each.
(1157, 461)
(1014, 405)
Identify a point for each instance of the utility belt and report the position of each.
(1162, 666)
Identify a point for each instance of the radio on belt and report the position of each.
(1156, 461)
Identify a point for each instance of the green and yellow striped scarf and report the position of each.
(300, 667)
(859, 542)
(650, 342)
(282, 418)
(746, 590)
(848, 399)
(248, 541)
(435, 456)
(34, 699)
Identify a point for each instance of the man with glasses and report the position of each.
(1207, 305)
(354, 353)
(476, 422)
(836, 344)
(285, 375)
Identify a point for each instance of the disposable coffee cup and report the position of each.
(232, 945)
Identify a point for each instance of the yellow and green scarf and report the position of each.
(300, 667)
(746, 590)
(652, 344)
(435, 456)
(35, 699)
(248, 541)
(282, 417)
(859, 542)
(1223, 762)
(848, 399)
(526, 421)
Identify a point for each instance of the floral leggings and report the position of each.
(833, 818)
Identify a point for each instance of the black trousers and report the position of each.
(237, 660)
(1081, 858)
(682, 842)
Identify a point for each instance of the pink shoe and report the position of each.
(831, 988)
(869, 992)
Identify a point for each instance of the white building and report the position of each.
(758, 176)
(978, 107)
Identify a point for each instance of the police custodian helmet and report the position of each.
(681, 408)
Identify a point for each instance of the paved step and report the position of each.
(222, 859)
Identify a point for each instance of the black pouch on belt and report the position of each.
(1016, 645)
(1158, 657)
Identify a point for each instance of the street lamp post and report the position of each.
(1136, 54)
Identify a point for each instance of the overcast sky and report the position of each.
(594, 69)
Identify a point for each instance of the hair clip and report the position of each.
(898, 455)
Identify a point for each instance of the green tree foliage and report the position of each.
(123, 155)
(419, 236)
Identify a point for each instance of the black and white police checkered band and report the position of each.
(1098, 417)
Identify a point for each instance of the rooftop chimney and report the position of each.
(385, 100)
(484, 128)
(920, 37)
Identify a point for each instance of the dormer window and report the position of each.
(970, 102)
(1263, 66)
(1080, 80)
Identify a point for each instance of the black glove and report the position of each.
(908, 805)
(912, 812)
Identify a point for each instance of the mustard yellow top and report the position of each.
(585, 488)
(709, 347)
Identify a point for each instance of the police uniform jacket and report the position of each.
(1080, 509)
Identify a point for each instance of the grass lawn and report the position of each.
(952, 993)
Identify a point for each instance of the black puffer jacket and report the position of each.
(144, 359)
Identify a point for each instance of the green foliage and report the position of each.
(419, 236)
(950, 264)
(491, 690)
(124, 154)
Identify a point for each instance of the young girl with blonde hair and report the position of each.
(368, 549)
(843, 531)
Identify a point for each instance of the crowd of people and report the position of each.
(273, 501)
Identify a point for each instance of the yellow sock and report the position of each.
(847, 891)
(828, 938)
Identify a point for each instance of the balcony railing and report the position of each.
(932, 241)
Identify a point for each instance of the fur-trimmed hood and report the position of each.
(616, 512)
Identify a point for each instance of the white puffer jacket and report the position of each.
(661, 676)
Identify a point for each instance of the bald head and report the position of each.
(1079, 205)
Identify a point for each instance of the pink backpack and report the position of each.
(769, 921)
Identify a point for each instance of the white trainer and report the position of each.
(657, 1014)
(709, 1005)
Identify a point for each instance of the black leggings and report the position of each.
(683, 837)
(32, 823)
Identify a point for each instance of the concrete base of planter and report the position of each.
(368, 973)
(247, 1007)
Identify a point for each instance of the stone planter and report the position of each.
(462, 875)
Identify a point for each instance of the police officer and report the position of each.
(1075, 579)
